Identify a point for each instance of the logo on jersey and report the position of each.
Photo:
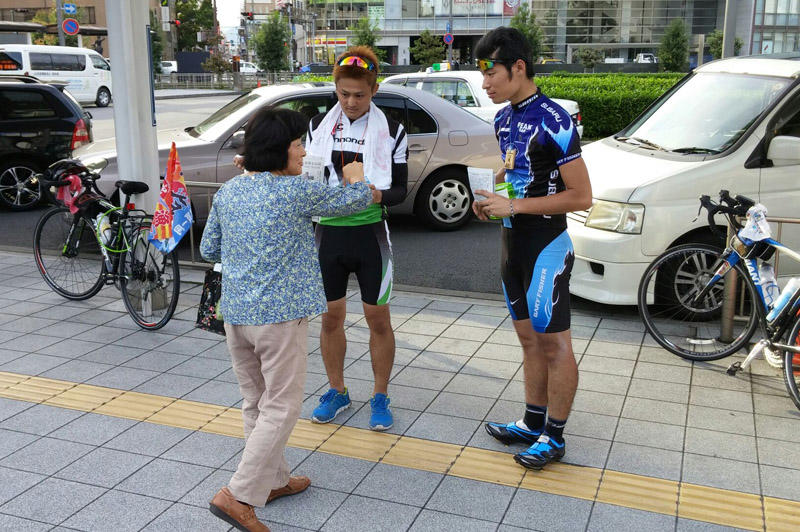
(563, 137)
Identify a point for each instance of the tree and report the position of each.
(714, 42)
(216, 64)
(156, 43)
(428, 49)
(272, 43)
(525, 22)
(365, 34)
(588, 57)
(674, 51)
(49, 17)
(195, 15)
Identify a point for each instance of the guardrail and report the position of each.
(228, 80)
(195, 261)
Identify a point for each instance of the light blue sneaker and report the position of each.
(330, 405)
(381, 418)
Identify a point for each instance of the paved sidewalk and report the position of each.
(654, 442)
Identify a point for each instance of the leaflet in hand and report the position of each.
(314, 168)
(480, 179)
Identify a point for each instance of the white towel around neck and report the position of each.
(377, 145)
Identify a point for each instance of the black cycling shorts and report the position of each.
(362, 249)
(535, 269)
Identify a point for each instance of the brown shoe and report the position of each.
(225, 506)
(295, 486)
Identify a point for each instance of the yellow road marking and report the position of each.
(702, 503)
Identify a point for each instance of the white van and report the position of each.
(88, 74)
(732, 124)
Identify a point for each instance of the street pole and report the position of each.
(450, 30)
(291, 37)
(313, 38)
(137, 148)
(59, 21)
(729, 30)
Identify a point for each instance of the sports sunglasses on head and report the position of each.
(486, 64)
(354, 60)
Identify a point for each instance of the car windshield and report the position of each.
(707, 114)
(209, 127)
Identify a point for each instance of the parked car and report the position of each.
(463, 88)
(40, 124)
(732, 124)
(443, 140)
(88, 75)
(245, 67)
(645, 58)
(551, 61)
(168, 67)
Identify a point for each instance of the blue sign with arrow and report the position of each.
(70, 9)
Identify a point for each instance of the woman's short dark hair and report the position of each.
(507, 46)
(267, 137)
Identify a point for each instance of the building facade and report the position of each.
(619, 28)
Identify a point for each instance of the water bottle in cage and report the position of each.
(769, 287)
(780, 306)
(103, 225)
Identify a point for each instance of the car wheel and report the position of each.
(444, 202)
(19, 191)
(103, 97)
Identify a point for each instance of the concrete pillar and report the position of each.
(561, 31)
(729, 31)
(134, 106)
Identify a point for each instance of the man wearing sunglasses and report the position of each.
(542, 162)
(357, 137)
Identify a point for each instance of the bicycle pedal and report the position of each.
(734, 368)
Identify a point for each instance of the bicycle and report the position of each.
(680, 299)
(85, 243)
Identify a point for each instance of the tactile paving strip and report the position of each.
(701, 503)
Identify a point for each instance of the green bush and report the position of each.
(608, 102)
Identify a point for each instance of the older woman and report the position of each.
(260, 229)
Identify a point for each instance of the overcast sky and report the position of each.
(228, 12)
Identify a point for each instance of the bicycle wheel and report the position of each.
(67, 254)
(150, 283)
(791, 365)
(686, 328)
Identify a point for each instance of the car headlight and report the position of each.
(617, 217)
(95, 164)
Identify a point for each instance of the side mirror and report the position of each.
(784, 151)
(236, 141)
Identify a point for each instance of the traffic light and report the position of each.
(248, 15)
(176, 22)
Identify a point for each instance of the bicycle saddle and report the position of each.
(131, 187)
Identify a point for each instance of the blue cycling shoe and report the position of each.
(331, 405)
(381, 418)
(541, 453)
(514, 432)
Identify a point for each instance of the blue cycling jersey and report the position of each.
(544, 137)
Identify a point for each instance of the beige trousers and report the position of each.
(270, 364)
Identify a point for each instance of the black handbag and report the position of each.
(209, 317)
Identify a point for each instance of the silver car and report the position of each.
(443, 140)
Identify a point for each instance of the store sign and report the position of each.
(441, 8)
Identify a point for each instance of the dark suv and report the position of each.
(40, 123)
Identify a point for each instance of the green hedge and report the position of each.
(608, 102)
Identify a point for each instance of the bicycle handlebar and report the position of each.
(727, 205)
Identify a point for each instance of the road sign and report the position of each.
(449, 29)
(70, 26)
(70, 9)
(448, 38)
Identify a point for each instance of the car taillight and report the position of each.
(577, 118)
(80, 135)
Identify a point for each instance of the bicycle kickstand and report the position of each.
(737, 366)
